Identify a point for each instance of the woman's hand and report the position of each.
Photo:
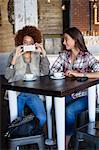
(18, 53)
(40, 48)
(71, 73)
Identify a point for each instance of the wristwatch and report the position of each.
(11, 66)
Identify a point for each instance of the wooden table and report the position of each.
(57, 88)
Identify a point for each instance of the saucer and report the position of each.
(30, 79)
(57, 78)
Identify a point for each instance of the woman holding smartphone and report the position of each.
(22, 62)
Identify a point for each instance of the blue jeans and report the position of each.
(34, 103)
(73, 108)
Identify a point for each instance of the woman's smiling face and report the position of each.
(69, 42)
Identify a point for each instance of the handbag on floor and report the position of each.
(23, 126)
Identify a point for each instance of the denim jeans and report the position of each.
(73, 108)
(34, 103)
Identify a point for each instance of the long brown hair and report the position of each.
(76, 34)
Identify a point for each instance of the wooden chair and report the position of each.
(90, 133)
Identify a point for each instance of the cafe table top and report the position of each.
(44, 85)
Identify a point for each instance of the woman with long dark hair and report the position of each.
(75, 61)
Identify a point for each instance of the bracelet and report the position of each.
(11, 66)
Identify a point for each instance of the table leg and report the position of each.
(98, 93)
(92, 103)
(49, 116)
(12, 96)
(49, 141)
(60, 121)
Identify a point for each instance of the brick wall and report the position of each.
(6, 32)
(50, 20)
(79, 13)
(80, 16)
(50, 17)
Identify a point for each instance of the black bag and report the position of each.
(23, 126)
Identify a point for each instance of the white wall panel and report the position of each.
(19, 14)
(25, 13)
(31, 15)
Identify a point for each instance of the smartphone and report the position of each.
(29, 48)
(81, 79)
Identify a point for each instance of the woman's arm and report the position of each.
(10, 70)
(44, 66)
(80, 74)
(93, 64)
(44, 62)
(59, 63)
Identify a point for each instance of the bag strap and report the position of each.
(23, 120)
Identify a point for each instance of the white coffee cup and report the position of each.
(28, 76)
(58, 74)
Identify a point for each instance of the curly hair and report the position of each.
(31, 31)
